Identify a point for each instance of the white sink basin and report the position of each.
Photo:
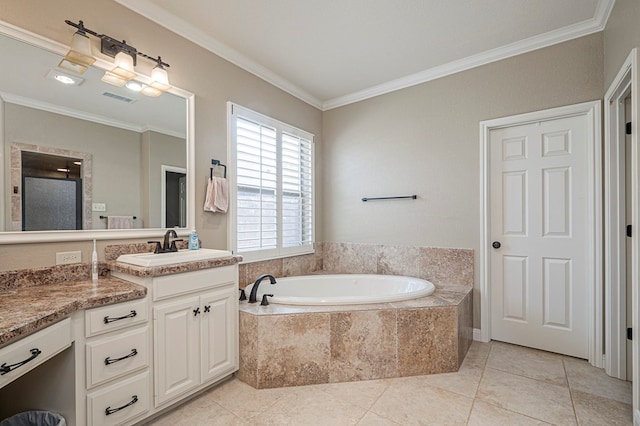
(182, 256)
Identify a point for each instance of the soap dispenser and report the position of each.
(194, 241)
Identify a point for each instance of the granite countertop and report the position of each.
(26, 309)
(156, 271)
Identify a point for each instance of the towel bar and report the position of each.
(107, 217)
(413, 197)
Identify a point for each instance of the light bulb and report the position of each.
(124, 66)
(160, 79)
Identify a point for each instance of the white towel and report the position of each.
(119, 222)
(216, 198)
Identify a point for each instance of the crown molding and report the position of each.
(533, 43)
(186, 30)
(156, 14)
(81, 115)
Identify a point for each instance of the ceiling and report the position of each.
(334, 52)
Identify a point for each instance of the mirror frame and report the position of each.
(18, 237)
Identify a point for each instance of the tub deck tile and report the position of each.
(363, 346)
(427, 341)
(293, 350)
(288, 345)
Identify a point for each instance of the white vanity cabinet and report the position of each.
(195, 317)
(117, 360)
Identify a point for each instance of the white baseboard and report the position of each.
(477, 335)
(636, 418)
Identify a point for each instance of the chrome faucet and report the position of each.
(254, 290)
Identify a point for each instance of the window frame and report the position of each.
(233, 111)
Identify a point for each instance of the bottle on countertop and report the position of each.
(94, 263)
(194, 242)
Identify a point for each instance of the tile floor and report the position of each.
(498, 384)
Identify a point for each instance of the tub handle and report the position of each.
(265, 302)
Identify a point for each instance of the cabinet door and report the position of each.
(177, 348)
(219, 331)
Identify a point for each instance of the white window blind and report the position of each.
(273, 186)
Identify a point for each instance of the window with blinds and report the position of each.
(273, 185)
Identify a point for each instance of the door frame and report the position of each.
(616, 297)
(163, 190)
(594, 220)
(615, 220)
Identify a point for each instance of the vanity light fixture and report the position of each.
(80, 57)
(125, 57)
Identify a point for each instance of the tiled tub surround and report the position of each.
(442, 266)
(301, 345)
(289, 346)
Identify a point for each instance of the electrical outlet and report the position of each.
(99, 207)
(66, 257)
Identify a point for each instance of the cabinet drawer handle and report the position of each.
(4, 368)
(107, 319)
(110, 410)
(109, 360)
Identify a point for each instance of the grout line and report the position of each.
(573, 404)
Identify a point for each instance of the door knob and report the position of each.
(496, 244)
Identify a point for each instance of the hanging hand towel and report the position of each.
(208, 198)
(221, 200)
(119, 222)
(216, 198)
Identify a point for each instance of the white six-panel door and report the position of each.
(539, 218)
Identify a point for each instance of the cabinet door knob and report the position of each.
(196, 311)
(207, 308)
(496, 245)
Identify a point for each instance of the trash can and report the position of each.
(35, 418)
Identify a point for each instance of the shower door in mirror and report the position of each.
(51, 203)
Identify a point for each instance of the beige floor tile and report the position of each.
(199, 412)
(245, 401)
(363, 394)
(465, 382)
(477, 355)
(595, 410)
(309, 405)
(411, 401)
(483, 414)
(585, 378)
(539, 365)
(372, 419)
(540, 400)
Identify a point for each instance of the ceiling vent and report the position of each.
(118, 97)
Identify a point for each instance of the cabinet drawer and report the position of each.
(117, 316)
(189, 282)
(120, 402)
(113, 357)
(33, 350)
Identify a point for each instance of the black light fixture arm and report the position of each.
(111, 46)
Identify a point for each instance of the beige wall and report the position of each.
(621, 34)
(160, 150)
(213, 80)
(424, 140)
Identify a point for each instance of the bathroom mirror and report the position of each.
(87, 150)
